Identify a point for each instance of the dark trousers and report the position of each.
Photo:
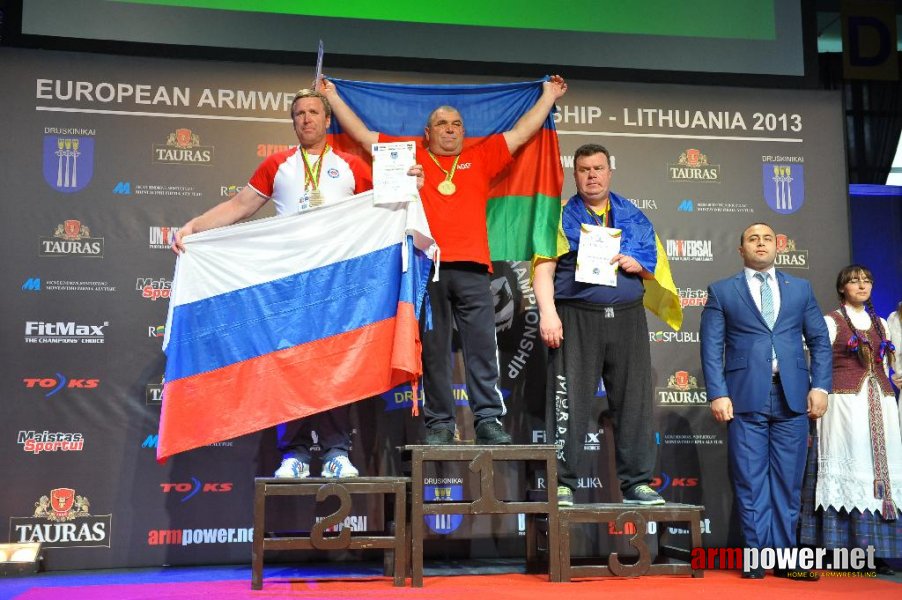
(462, 296)
(767, 458)
(610, 342)
(333, 434)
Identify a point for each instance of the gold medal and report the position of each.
(446, 188)
(315, 197)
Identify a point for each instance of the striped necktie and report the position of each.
(767, 299)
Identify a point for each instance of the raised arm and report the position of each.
(348, 119)
(530, 123)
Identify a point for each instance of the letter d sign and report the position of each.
(869, 40)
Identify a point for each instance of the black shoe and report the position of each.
(882, 568)
(642, 494)
(797, 574)
(756, 573)
(439, 437)
(490, 433)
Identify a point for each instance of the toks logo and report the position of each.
(59, 382)
(665, 481)
(62, 520)
(153, 289)
(195, 487)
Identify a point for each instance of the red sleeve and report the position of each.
(264, 177)
(363, 174)
(496, 155)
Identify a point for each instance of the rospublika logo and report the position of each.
(784, 185)
(183, 147)
(692, 165)
(190, 489)
(153, 289)
(52, 385)
(64, 332)
(690, 250)
(156, 331)
(680, 337)
(35, 442)
(682, 389)
(161, 237)
(72, 238)
(692, 297)
(788, 256)
(62, 519)
(228, 191)
(644, 203)
(34, 284)
(68, 158)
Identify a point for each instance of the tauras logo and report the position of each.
(692, 165)
(63, 332)
(183, 148)
(62, 519)
(682, 389)
(72, 238)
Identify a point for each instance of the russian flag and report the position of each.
(524, 206)
(276, 319)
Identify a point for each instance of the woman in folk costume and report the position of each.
(854, 481)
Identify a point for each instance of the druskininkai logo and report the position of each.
(68, 160)
(784, 186)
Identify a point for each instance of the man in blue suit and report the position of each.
(760, 383)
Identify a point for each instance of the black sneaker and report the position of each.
(490, 433)
(642, 494)
(564, 496)
(439, 437)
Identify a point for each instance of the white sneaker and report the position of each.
(292, 468)
(339, 466)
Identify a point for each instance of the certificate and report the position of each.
(597, 246)
(391, 183)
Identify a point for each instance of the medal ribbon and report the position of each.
(449, 175)
(311, 174)
(604, 216)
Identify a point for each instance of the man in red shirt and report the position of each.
(454, 198)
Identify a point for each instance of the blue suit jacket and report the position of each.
(736, 344)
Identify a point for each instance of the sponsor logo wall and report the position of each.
(106, 157)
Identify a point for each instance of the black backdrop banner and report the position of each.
(106, 156)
